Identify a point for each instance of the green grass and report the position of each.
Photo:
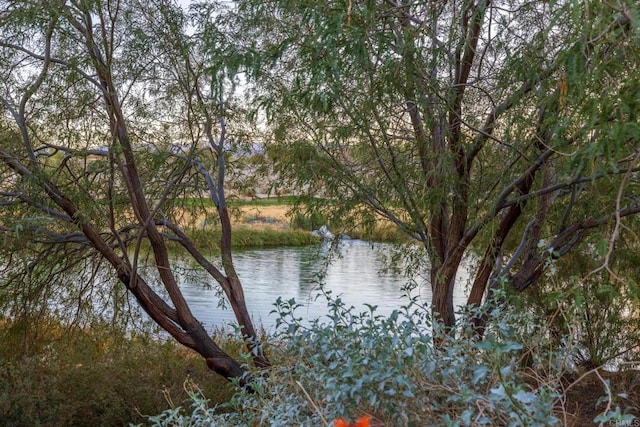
(246, 238)
(54, 376)
(385, 233)
(249, 237)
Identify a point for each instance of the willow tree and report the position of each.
(506, 128)
(113, 115)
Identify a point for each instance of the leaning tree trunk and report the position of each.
(175, 317)
(178, 320)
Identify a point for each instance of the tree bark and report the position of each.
(95, 33)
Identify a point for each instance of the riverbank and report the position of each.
(244, 237)
(52, 375)
(271, 222)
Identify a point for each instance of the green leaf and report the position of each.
(479, 373)
(525, 397)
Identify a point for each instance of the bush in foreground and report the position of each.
(354, 363)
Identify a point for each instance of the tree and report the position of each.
(113, 119)
(504, 129)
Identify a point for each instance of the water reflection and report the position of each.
(356, 274)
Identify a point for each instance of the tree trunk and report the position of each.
(442, 298)
(236, 294)
(443, 280)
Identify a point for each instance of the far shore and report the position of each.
(269, 222)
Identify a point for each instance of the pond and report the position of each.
(357, 274)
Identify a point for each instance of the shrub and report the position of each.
(353, 363)
(308, 220)
(97, 376)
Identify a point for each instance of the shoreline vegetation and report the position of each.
(53, 375)
(56, 375)
(272, 222)
(145, 143)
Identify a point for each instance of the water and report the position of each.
(357, 276)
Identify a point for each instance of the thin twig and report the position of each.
(317, 409)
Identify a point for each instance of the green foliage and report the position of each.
(95, 376)
(368, 117)
(106, 165)
(381, 232)
(308, 221)
(351, 363)
(247, 238)
(596, 300)
(251, 238)
(42, 283)
(458, 122)
(198, 414)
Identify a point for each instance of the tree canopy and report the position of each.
(114, 115)
(506, 131)
(503, 129)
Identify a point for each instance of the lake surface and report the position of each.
(356, 275)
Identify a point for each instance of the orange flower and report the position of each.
(364, 421)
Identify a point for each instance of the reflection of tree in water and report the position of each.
(313, 263)
(356, 274)
(337, 261)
